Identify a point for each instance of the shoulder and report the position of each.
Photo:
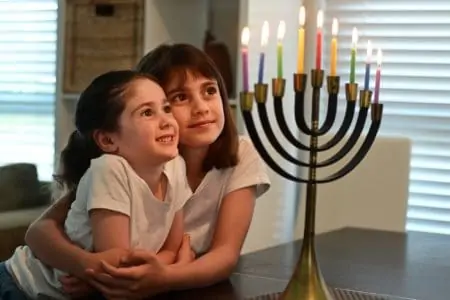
(247, 151)
(108, 167)
(110, 163)
(176, 165)
(250, 171)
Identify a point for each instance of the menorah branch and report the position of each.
(261, 98)
(246, 108)
(365, 97)
(377, 111)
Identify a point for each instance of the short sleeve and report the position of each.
(175, 171)
(250, 170)
(106, 185)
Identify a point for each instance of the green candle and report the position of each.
(280, 36)
(280, 60)
(353, 55)
(352, 65)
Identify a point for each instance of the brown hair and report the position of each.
(98, 108)
(167, 62)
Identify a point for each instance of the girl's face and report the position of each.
(198, 109)
(148, 133)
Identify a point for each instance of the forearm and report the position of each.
(50, 244)
(167, 257)
(214, 266)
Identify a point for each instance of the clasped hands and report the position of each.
(126, 274)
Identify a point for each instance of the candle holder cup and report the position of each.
(307, 282)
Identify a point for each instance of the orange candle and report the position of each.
(333, 56)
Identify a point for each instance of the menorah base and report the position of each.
(338, 294)
(307, 282)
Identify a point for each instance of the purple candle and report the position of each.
(245, 69)
(378, 78)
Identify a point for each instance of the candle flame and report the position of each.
(380, 57)
(265, 34)
(320, 19)
(302, 16)
(335, 27)
(245, 36)
(369, 51)
(281, 30)
(355, 36)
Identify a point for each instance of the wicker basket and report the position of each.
(100, 36)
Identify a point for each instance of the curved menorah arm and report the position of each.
(351, 94)
(262, 111)
(278, 85)
(345, 125)
(331, 115)
(333, 91)
(281, 120)
(359, 127)
(377, 111)
(250, 125)
(299, 112)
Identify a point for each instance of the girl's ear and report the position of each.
(105, 141)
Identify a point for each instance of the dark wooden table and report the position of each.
(413, 265)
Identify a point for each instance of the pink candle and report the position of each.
(245, 37)
(319, 40)
(378, 78)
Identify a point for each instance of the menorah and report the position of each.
(307, 282)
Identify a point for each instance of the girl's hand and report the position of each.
(75, 287)
(185, 254)
(144, 276)
(78, 287)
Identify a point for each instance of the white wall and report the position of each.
(169, 21)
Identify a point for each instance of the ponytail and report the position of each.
(75, 160)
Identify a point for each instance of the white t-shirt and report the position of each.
(110, 183)
(201, 210)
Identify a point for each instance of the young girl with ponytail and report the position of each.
(125, 181)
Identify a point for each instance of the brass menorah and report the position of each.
(307, 282)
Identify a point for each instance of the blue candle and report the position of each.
(264, 40)
(261, 68)
(368, 61)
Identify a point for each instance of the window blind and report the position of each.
(414, 36)
(28, 40)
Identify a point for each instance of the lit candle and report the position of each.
(334, 31)
(319, 40)
(368, 61)
(378, 77)
(245, 38)
(280, 36)
(353, 55)
(264, 40)
(301, 42)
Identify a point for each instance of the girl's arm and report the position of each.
(217, 264)
(105, 188)
(47, 230)
(169, 251)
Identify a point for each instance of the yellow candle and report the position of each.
(334, 30)
(301, 42)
